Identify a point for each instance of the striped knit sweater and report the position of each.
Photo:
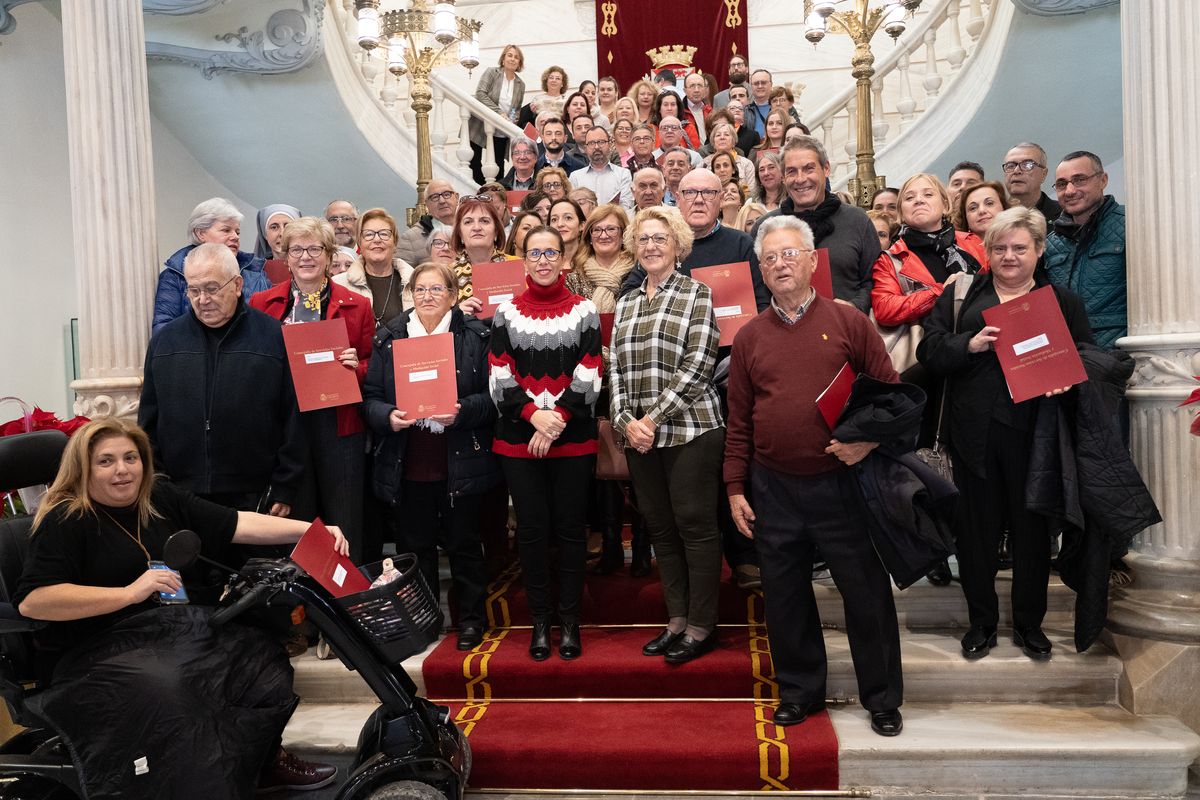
(545, 354)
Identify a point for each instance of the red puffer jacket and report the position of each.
(360, 324)
(891, 304)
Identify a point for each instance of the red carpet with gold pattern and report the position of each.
(614, 719)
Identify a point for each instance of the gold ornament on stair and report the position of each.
(861, 24)
(674, 55)
(609, 28)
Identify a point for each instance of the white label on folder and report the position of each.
(497, 299)
(423, 375)
(318, 358)
(727, 311)
(339, 575)
(1021, 348)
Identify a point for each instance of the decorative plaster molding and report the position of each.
(295, 34)
(1166, 364)
(8, 22)
(585, 11)
(107, 397)
(179, 8)
(1056, 8)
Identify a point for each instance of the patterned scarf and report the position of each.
(306, 306)
(607, 281)
(941, 242)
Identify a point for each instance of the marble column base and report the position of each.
(1159, 678)
(1162, 603)
(108, 397)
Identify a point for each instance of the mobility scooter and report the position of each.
(408, 749)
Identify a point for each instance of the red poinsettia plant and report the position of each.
(32, 420)
(1194, 397)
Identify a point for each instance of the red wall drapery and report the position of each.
(626, 29)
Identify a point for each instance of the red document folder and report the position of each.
(832, 401)
(822, 279)
(321, 380)
(316, 554)
(531, 132)
(277, 271)
(1034, 345)
(733, 296)
(426, 383)
(515, 196)
(606, 328)
(497, 282)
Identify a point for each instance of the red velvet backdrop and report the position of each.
(626, 29)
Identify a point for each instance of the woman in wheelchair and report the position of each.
(151, 700)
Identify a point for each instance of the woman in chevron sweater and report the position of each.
(544, 379)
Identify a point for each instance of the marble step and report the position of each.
(957, 750)
(924, 605)
(934, 670)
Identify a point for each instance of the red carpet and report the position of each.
(730, 746)
(612, 665)
(646, 725)
(612, 600)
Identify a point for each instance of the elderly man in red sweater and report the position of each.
(804, 493)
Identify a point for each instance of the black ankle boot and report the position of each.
(612, 554)
(639, 566)
(569, 645)
(539, 643)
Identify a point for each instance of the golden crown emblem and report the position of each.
(675, 55)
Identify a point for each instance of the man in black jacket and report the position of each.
(217, 398)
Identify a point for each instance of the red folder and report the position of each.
(606, 328)
(426, 383)
(515, 196)
(496, 282)
(321, 380)
(315, 553)
(822, 279)
(733, 296)
(532, 132)
(1034, 345)
(832, 401)
(277, 271)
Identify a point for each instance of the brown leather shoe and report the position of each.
(291, 774)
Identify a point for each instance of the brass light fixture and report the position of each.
(860, 24)
(419, 36)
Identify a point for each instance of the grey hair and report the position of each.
(806, 143)
(1017, 218)
(209, 213)
(1033, 146)
(353, 207)
(653, 170)
(782, 222)
(213, 253)
(523, 141)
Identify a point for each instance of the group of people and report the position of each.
(728, 453)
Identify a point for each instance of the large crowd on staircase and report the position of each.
(606, 389)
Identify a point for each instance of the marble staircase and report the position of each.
(997, 728)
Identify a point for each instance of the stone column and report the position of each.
(1156, 620)
(112, 198)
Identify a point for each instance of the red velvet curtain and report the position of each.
(626, 29)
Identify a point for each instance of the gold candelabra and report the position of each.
(860, 24)
(419, 37)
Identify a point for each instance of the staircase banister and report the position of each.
(504, 127)
(909, 41)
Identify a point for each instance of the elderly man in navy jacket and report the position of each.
(217, 398)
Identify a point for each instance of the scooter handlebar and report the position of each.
(246, 601)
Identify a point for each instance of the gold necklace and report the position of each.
(137, 539)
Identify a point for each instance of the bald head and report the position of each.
(701, 209)
(442, 200)
(648, 187)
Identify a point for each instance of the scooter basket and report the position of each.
(401, 617)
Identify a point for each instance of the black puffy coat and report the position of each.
(472, 469)
(1081, 475)
(910, 508)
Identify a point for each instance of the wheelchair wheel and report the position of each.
(406, 790)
